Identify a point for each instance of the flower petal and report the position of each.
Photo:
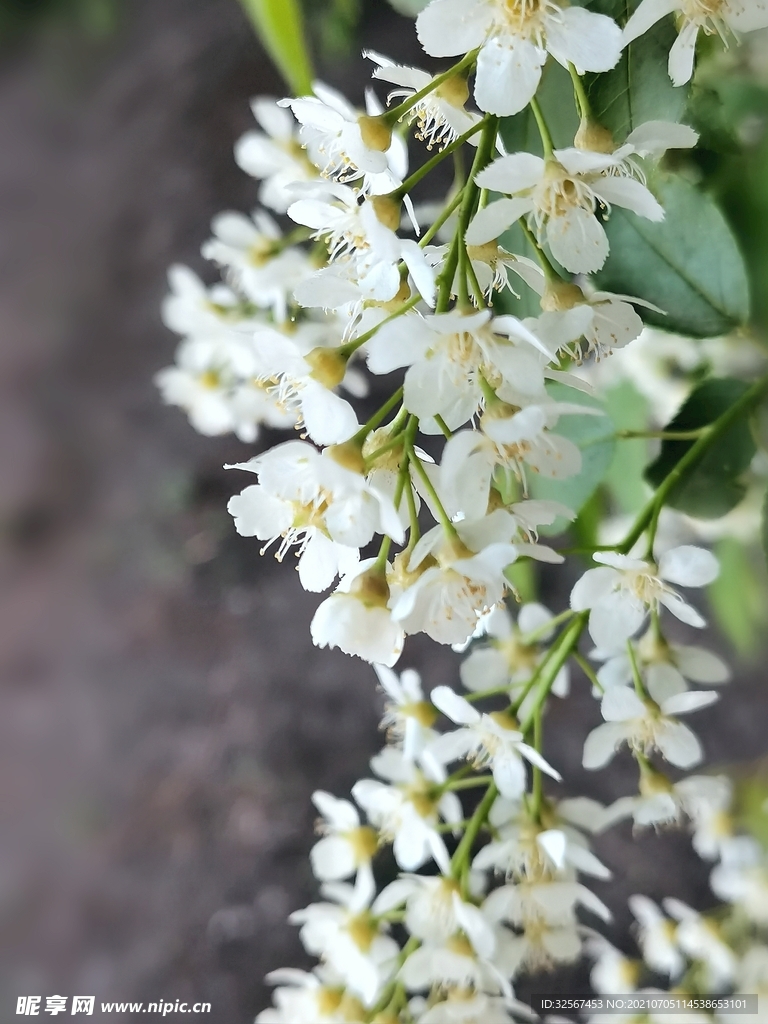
(689, 566)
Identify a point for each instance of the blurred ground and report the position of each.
(163, 715)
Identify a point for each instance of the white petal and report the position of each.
(664, 681)
(509, 776)
(594, 585)
(578, 241)
(319, 564)
(590, 41)
(535, 757)
(701, 666)
(621, 704)
(655, 137)
(682, 53)
(746, 15)
(678, 744)
(508, 75)
(484, 669)
(455, 707)
(449, 27)
(328, 418)
(691, 700)
(510, 174)
(601, 744)
(553, 843)
(689, 566)
(646, 15)
(332, 859)
(631, 194)
(682, 610)
(494, 219)
(615, 619)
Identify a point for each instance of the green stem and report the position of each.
(430, 233)
(588, 671)
(353, 345)
(544, 261)
(471, 194)
(558, 656)
(378, 416)
(640, 689)
(582, 100)
(438, 158)
(442, 515)
(546, 138)
(479, 780)
(393, 443)
(649, 515)
(444, 428)
(664, 435)
(394, 115)
(461, 857)
(494, 691)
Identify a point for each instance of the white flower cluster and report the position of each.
(328, 291)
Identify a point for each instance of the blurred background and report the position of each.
(163, 715)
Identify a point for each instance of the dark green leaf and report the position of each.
(713, 488)
(594, 435)
(689, 265)
(638, 89)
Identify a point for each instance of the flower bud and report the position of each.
(375, 133)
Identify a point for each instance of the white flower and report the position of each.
(514, 39)
(348, 145)
(458, 964)
(260, 265)
(611, 971)
(435, 911)
(449, 354)
(703, 799)
(741, 878)
(646, 726)
(408, 717)
(274, 155)
(532, 853)
(315, 998)
(544, 913)
(346, 847)
(361, 238)
(407, 811)
(605, 321)
(301, 383)
(508, 658)
(491, 740)
(621, 592)
(449, 597)
(657, 937)
(193, 309)
(710, 16)
(347, 936)
(463, 1007)
(440, 115)
(310, 501)
(213, 380)
(699, 937)
(666, 666)
(561, 197)
(356, 619)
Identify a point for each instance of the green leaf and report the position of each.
(638, 89)
(713, 488)
(738, 596)
(280, 28)
(688, 265)
(764, 526)
(594, 436)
